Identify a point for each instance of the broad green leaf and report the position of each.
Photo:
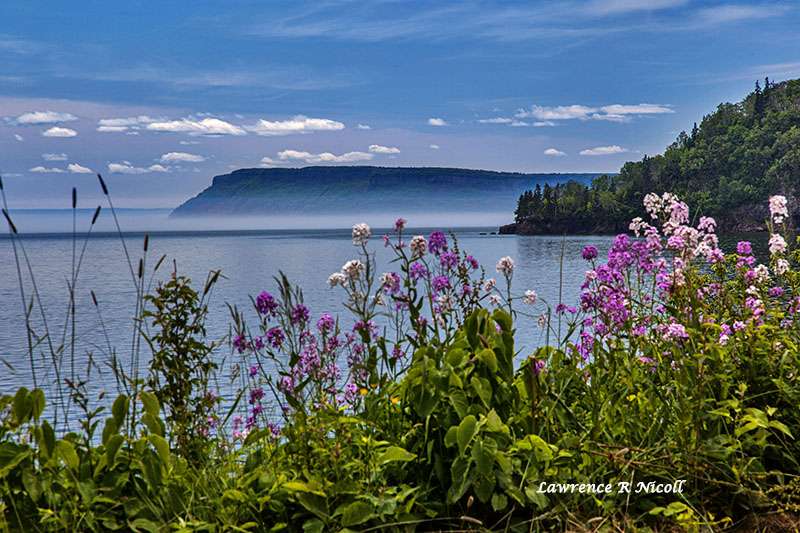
(488, 358)
(161, 446)
(150, 403)
(356, 513)
(466, 430)
(395, 453)
(120, 409)
(37, 403)
(67, 452)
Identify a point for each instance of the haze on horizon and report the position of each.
(159, 101)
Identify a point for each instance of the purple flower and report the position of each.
(266, 304)
(437, 242)
(256, 394)
(400, 224)
(240, 343)
(286, 385)
(275, 337)
(448, 260)
(589, 252)
(776, 292)
(325, 323)
(472, 262)
(418, 271)
(744, 248)
(300, 314)
(367, 327)
(253, 371)
(440, 283)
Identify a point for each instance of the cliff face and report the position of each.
(325, 190)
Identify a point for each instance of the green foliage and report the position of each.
(181, 365)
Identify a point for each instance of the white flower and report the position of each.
(542, 320)
(752, 290)
(781, 267)
(361, 234)
(353, 269)
(489, 284)
(530, 297)
(418, 245)
(337, 278)
(494, 300)
(762, 273)
(591, 275)
(505, 266)
(777, 208)
(777, 244)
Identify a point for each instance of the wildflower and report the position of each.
(418, 246)
(589, 252)
(762, 273)
(725, 334)
(440, 283)
(472, 262)
(707, 224)
(253, 371)
(390, 282)
(738, 325)
(299, 314)
(275, 337)
(781, 267)
(325, 323)
(337, 278)
(400, 224)
(418, 271)
(489, 284)
(676, 331)
(530, 297)
(361, 234)
(744, 248)
(286, 385)
(240, 343)
(448, 260)
(494, 299)
(777, 208)
(505, 266)
(777, 244)
(776, 292)
(266, 304)
(353, 269)
(256, 395)
(542, 320)
(437, 242)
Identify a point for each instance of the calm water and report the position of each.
(248, 261)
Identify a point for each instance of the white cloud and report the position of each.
(19, 137)
(544, 124)
(734, 13)
(496, 120)
(546, 116)
(636, 109)
(206, 126)
(518, 124)
(181, 156)
(127, 168)
(434, 121)
(364, 127)
(561, 112)
(554, 152)
(616, 7)
(75, 168)
(45, 117)
(119, 125)
(59, 132)
(604, 150)
(295, 125)
(45, 170)
(378, 149)
(267, 162)
(188, 143)
(54, 157)
(324, 157)
(434, 146)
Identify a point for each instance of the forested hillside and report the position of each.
(724, 167)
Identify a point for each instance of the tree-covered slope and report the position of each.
(726, 168)
(323, 190)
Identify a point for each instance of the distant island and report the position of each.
(365, 189)
(726, 168)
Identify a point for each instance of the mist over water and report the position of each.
(158, 220)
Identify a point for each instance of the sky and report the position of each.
(161, 96)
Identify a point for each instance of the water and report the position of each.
(248, 261)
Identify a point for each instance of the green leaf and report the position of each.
(111, 428)
(161, 446)
(143, 524)
(313, 525)
(120, 409)
(499, 502)
(112, 447)
(48, 443)
(21, 408)
(451, 437)
(395, 453)
(37, 403)
(483, 456)
(459, 402)
(154, 424)
(150, 402)
(466, 430)
(488, 358)
(356, 513)
(11, 455)
(66, 451)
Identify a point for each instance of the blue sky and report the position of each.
(161, 96)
